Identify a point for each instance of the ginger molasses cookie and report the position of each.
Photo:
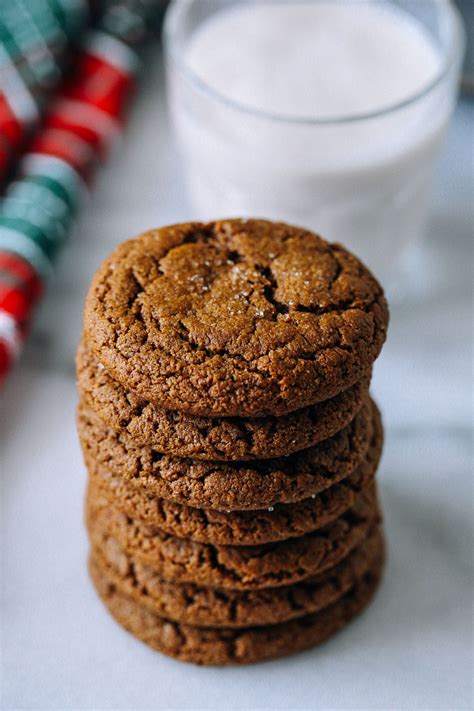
(234, 318)
(232, 567)
(226, 486)
(197, 605)
(276, 523)
(225, 646)
(226, 439)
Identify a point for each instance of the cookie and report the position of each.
(232, 567)
(279, 522)
(239, 318)
(194, 605)
(224, 439)
(211, 646)
(226, 486)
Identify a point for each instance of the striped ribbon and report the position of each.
(79, 124)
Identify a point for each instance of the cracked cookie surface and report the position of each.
(213, 438)
(226, 486)
(279, 522)
(211, 646)
(232, 567)
(195, 605)
(235, 318)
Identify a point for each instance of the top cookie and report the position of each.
(237, 317)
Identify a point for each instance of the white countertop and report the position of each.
(412, 649)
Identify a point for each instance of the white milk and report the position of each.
(362, 182)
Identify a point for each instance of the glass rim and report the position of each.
(451, 55)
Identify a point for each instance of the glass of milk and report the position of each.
(324, 113)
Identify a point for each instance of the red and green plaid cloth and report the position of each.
(67, 70)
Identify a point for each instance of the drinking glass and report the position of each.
(363, 180)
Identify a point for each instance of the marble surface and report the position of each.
(412, 649)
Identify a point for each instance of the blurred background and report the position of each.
(111, 124)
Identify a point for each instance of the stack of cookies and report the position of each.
(230, 439)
